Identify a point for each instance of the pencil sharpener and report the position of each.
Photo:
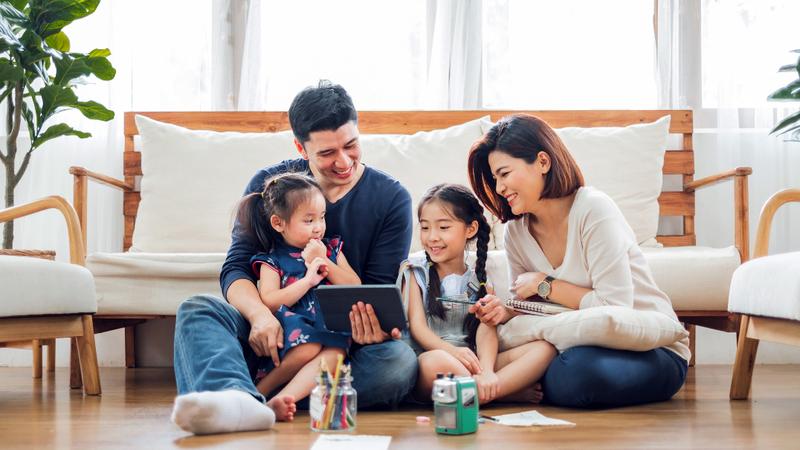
(455, 404)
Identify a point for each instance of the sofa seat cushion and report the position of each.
(152, 283)
(35, 287)
(768, 286)
(694, 278)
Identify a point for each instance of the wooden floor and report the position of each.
(135, 407)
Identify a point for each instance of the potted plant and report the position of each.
(790, 92)
(38, 76)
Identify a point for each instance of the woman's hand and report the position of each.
(466, 357)
(488, 386)
(317, 271)
(491, 311)
(314, 249)
(527, 284)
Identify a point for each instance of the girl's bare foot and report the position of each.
(284, 407)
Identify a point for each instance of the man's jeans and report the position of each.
(212, 353)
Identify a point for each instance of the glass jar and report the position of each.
(338, 413)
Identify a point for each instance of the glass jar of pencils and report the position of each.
(333, 402)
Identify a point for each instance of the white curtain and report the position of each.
(454, 54)
(720, 58)
(162, 64)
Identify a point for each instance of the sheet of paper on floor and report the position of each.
(351, 442)
(528, 419)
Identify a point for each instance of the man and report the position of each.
(217, 344)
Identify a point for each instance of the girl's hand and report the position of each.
(317, 271)
(466, 357)
(488, 386)
(527, 284)
(314, 249)
(491, 311)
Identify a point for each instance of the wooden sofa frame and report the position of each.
(677, 162)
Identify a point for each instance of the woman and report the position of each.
(571, 245)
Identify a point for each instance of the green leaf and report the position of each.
(19, 4)
(788, 68)
(55, 96)
(58, 41)
(7, 37)
(58, 130)
(50, 16)
(790, 92)
(785, 123)
(99, 52)
(68, 67)
(101, 68)
(12, 11)
(94, 110)
(10, 72)
(30, 121)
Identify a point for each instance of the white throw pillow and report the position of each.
(422, 160)
(192, 182)
(193, 179)
(614, 327)
(626, 163)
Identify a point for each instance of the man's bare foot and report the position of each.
(538, 393)
(284, 407)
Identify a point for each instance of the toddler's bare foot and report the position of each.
(284, 407)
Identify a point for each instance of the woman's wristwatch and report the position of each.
(545, 287)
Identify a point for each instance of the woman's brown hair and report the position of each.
(521, 136)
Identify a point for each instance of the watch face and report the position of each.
(543, 289)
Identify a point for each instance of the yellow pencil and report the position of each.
(332, 394)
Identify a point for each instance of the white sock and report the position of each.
(221, 412)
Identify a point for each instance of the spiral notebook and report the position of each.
(537, 307)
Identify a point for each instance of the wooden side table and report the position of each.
(37, 344)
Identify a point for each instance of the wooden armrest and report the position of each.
(779, 199)
(741, 204)
(77, 252)
(80, 188)
(716, 178)
(100, 178)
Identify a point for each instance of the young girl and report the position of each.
(287, 220)
(449, 218)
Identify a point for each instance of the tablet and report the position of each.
(336, 302)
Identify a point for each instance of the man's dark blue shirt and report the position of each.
(374, 220)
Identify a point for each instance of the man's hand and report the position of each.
(527, 284)
(491, 311)
(365, 326)
(488, 386)
(266, 337)
(466, 357)
(314, 249)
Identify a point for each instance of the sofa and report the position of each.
(185, 171)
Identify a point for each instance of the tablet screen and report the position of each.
(336, 302)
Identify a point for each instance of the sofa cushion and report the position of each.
(422, 160)
(615, 327)
(152, 283)
(768, 286)
(34, 287)
(201, 175)
(193, 180)
(694, 278)
(626, 163)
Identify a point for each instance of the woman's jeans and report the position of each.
(597, 377)
(212, 353)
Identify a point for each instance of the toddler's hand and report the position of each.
(314, 249)
(316, 271)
